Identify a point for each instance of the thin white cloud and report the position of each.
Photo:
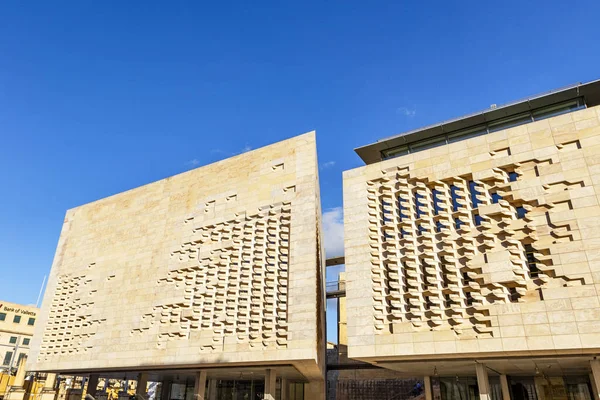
(246, 149)
(327, 164)
(333, 232)
(192, 163)
(407, 112)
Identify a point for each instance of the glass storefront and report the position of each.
(240, 390)
(522, 388)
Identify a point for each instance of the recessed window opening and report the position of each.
(521, 211)
(386, 211)
(439, 226)
(454, 195)
(496, 198)
(478, 219)
(436, 201)
(402, 207)
(419, 202)
(509, 122)
(467, 134)
(531, 261)
(558, 109)
(458, 223)
(473, 190)
(427, 144)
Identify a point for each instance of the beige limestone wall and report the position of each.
(216, 265)
(441, 262)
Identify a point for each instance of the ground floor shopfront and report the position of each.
(519, 378)
(520, 388)
(277, 383)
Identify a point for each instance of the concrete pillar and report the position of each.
(212, 389)
(595, 376)
(48, 392)
(285, 389)
(16, 391)
(20, 377)
(50, 381)
(505, 387)
(200, 386)
(482, 382)
(594, 388)
(142, 383)
(428, 388)
(270, 384)
(92, 384)
(165, 390)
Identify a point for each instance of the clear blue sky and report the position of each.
(99, 97)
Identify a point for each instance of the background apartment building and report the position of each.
(209, 282)
(17, 324)
(472, 251)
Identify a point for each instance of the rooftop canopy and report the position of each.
(526, 110)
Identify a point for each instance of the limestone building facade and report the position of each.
(473, 246)
(17, 324)
(216, 267)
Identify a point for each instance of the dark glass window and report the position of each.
(521, 211)
(428, 144)
(509, 122)
(17, 319)
(496, 198)
(12, 340)
(466, 134)
(478, 218)
(395, 152)
(7, 358)
(26, 341)
(31, 321)
(512, 176)
(558, 109)
(2, 316)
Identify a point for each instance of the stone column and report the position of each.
(270, 384)
(50, 381)
(200, 386)
(20, 377)
(48, 392)
(92, 384)
(595, 376)
(285, 389)
(505, 387)
(428, 388)
(142, 383)
(482, 382)
(165, 390)
(212, 389)
(594, 388)
(16, 391)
